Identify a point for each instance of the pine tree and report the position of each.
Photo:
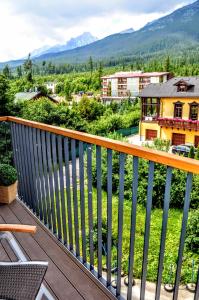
(192, 152)
(197, 153)
(91, 66)
(167, 64)
(28, 68)
(6, 71)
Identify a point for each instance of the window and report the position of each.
(193, 111)
(182, 88)
(178, 110)
(150, 107)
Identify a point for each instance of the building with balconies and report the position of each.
(170, 111)
(123, 85)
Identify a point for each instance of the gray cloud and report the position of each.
(57, 11)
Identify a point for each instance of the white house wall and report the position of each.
(114, 87)
(133, 86)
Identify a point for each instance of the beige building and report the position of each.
(124, 85)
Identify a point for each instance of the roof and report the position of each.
(31, 96)
(169, 89)
(26, 95)
(135, 74)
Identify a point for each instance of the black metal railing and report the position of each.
(56, 182)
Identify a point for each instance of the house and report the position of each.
(51, 86)
(170, 111)
(23, 96)
(129, 84)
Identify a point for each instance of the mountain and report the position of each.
(79, 41)
(173, 34)
(129, 30)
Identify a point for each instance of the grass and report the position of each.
(172, 239)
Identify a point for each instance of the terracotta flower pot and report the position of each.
(8, 193)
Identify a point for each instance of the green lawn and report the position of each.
(172, 240)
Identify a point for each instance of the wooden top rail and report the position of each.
(175, 161)
(18, 228)
(3, 119)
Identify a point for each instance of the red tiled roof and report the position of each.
(134, 75)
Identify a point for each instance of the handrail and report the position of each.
(3, 119)
(18, 228)
(185, 164)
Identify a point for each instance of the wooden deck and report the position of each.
(65, 278)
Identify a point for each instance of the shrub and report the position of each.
(192, 239)
(8, 175)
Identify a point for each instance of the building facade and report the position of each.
(123, 85)
(170, 111)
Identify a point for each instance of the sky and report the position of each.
(26, 25)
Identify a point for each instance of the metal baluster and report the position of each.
(46, 179)
(19, 139)
(196, 296)
(68, 192)
(61, 179)
(133, 226)
(109, 214)
(39, 210)
(75, 204)
(56, 182)
(99, 208)
(17, 160)
(51, 182)
(82, 199)
(23, 151)
(90, 204)
(41, 176)
(164, 231)
(183, 234)
(32, 168)
(147, 229)
(120, 221)
(28, 165)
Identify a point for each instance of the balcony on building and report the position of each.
(55, 193)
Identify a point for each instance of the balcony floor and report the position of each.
(65, 278)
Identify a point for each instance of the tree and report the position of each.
(167, 66)
(100, 71)
(109, 91)
(28, 68)
(7, 71)
(4, 98)
(192, 152)
(90, 63)
(197, 153)
(19, 72)
(67, 90)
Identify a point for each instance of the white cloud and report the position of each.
(27, 25)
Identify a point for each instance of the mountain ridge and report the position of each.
(170, 34)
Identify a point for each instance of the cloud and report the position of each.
(26, 25)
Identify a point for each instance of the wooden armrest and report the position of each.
(18, 228)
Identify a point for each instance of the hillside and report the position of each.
(174, 32)
(171, 34)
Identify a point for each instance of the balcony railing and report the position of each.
(179, 124)
(56, 182)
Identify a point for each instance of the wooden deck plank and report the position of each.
(59, 284)
(84, 284)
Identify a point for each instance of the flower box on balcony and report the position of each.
(8, 183)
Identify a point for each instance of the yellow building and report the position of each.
(170, 111)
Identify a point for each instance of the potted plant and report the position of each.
(8, 183)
